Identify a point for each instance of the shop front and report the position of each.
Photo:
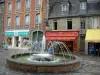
(93, 39)
(16, 38)
(70, 38)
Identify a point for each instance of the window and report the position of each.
(38, 20)
(9, 6)
(55, 25)
(69, 24)
(38, 2)
(28, 3)
(65, 7)
(18, 4)
(82, 5)
(17, 20)
(27, 19)
(8, 21)
(83, 23)
(95, 22)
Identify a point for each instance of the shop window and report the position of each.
(28, 3)
(18, 4)
(83, 23)
(69, 24)
(9, 6)
(17, 20)
(25, 41)
(55, 25)
(27, 19)
(9, 41)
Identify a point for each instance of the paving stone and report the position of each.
(90, 65)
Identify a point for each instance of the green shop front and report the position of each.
(18, 38)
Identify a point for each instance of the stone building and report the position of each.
(74, 15)
(21, 18)
(1, 22)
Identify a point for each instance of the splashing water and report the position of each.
(43, 43)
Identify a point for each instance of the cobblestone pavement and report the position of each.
(90, 66)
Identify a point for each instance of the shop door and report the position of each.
(17, 38)
(82, 43)
(70, 45)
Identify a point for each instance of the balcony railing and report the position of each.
(26, 26)
(8, 27)
(17, 27)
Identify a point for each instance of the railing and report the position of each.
(26, 26)
(8, 27)
(17, 27)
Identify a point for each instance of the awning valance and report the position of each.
(92, 35)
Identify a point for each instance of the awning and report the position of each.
(92, 35)
(61, 38)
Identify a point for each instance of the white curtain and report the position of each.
(27, 19)
(27, 3)
(18, 5)
(38, 19)
(38, 2)
(17, 20)
(9, 6)
(8, 21)
(95, 22)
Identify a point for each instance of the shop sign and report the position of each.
(9, 33)
(62, 33)
(23, 33)
(16, 33)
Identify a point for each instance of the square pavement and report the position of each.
(90, 65)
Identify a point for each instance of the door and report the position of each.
(17, 38)
(82, 43)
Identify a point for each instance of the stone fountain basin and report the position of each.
(43, 67)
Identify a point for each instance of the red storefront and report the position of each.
(68, 37)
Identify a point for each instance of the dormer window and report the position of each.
(82, 5)
(65, 7)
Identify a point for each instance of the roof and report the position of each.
(93, 1)
(2, 1)
(56, 11)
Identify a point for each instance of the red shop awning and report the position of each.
(61, 38)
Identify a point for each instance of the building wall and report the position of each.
(1, 22)
(32, 11)
(62, 23)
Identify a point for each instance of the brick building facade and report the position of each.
(21, 18)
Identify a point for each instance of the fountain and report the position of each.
(40, 60)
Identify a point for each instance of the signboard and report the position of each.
(17, 33)
(9, 33)
(62, 33)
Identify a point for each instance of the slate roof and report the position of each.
(2, 1)
(93, 8)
